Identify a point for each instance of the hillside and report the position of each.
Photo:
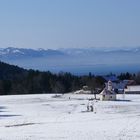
(16, 80)
(51, 117)
(9, 72)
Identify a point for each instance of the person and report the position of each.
(90, 105)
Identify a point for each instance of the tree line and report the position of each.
(16, 80)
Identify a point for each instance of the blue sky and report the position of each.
(69, 23)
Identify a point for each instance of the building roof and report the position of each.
(132, 88)
(107, 92)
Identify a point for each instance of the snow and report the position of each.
(82, 91)
(10, 50)
(17, 51)
(60, 117)
(2, 53)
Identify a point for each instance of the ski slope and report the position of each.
(64, 117)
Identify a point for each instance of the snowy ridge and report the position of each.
(70, 51)
(11, 52)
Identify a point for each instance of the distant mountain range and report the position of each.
(91, 51)
(14, 53)
(75, 60)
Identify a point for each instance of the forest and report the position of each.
(16, 80)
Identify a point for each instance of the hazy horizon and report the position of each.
(74, 48)
(69, 24)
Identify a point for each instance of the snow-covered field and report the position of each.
(47, 117)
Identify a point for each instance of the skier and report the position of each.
(90, 105)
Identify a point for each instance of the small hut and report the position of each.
(108, 94)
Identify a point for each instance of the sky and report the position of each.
(53, 24)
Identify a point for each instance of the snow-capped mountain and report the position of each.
(75, 60)
(16, 53)
(12, 52)
(99, 50)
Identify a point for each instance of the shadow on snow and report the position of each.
(3, 109)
